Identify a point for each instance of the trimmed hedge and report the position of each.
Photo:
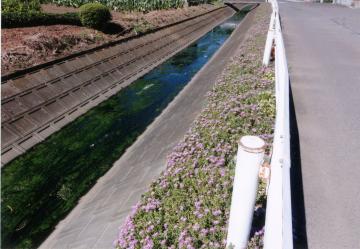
(28, 19)
(198, 2)
(94, 15)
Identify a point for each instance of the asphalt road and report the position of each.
(323, 50)
(95, 220)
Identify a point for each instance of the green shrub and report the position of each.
(197, 2)
(94, 15)
(32, 18)
(20, 6)
(26, 13)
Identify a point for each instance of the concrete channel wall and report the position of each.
(40, 102)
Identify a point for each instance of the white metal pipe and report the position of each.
(278, 222)
(269, 40)
(287, 211)
(273, 236)
(249, 158)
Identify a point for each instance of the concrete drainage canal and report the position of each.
(43, 184)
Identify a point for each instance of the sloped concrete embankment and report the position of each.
(42, 100)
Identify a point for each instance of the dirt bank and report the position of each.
(26, 47)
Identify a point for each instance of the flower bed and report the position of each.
(188, 205)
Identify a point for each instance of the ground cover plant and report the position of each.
(188, 205)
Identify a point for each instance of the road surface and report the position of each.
(323, 49)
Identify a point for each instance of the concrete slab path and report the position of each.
(94, 222)
(323, 50)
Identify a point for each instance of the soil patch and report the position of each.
(30, 46)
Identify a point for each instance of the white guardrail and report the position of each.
(278, 222)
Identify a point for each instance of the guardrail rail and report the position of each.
(278, 221)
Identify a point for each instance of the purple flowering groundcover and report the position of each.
(188, 205)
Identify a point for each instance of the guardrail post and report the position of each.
(269, 41)
(250, 156)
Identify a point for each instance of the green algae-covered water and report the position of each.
(40, 187)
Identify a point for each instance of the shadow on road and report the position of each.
(297, 194)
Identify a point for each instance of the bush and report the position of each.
(94, 15)
(198, 2)
(25, 13)
(32, 18)
(20, 6)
